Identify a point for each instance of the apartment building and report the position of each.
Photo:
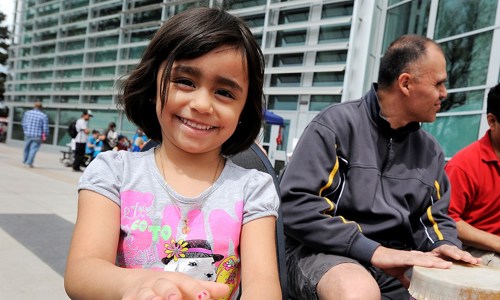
(71, 54)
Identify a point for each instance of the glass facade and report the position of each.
(70, 55)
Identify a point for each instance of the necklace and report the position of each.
(185, 228)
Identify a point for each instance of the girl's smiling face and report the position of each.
(205, 98)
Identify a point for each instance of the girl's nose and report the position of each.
(202, 102)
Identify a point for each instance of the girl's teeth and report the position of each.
(195, 125)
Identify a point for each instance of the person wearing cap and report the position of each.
(36, 130)
(81, 139)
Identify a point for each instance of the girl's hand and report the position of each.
(175, 286)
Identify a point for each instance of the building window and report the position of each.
(185, 6)
(41, 87)
(108, 10)
(46, 36)
(20, 87)
(29, 14)
(460, 16)
(98, 99)
(107, 24)
(71, 45)
(97, 72)
(294, 59)
(140, 35)
(258, 38)
(254, 21)
(48, 9)
(23, 64)
(147, 16)
(467, 60)
(328, 79)
(287, 38)
(45, 49)
(66, 99)
(286, 80)
(47, 23)
(102, 56)
(81, 15)
(42, 75)
(71, 59)
(22, 76)
(283, 102)
(293, 16)
(99, 85)
(75, 4)
(463, 101)
(136, 52)
(43, 62)
(408, 18)
(329, 34)
(104, 41)
(331, 57)
(70, 73)
(319, 102)
(74, 31)
(333, 10)
(68, 86)
(454, 132)
(137, 4)
(237, 4)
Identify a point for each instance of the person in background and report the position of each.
(82, 125)
(91, 142)
(111, 137)
(122, 143)
(365, 196)
(36, 130)
(163, 223)
(138, 144)
(474, 174)
(98, 145)
(139, 134)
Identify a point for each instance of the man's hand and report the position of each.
(396, 262)
(448, 251)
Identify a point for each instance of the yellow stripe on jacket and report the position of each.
(328, 201)
(429, 213)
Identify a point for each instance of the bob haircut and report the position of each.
(185, 36)
(400, 55)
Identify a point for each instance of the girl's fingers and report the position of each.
(217, 290)
(180, 286)
(166, 289)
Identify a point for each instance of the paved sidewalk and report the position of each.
(37, 213)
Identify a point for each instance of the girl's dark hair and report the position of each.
(189, 35)
(399, 56)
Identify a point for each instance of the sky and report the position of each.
(7, 7)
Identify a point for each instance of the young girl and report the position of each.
(182, 206)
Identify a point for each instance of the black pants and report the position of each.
(79, 155)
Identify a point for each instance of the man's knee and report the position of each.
(348, 281)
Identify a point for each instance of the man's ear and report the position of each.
(491, 119)
(404, 83)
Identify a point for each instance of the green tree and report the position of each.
(4, 53)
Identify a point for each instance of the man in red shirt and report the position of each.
(474, 174)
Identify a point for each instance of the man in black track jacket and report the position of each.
(365, 196)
